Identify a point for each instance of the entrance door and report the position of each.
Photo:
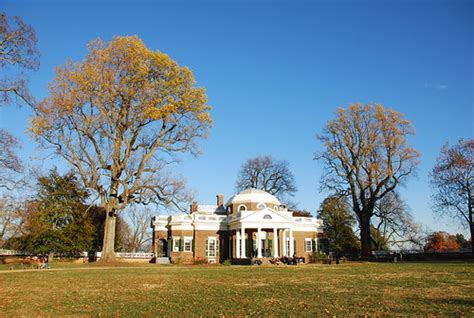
(162, 248)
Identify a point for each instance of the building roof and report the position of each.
(252, 195)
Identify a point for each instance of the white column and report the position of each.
(316, 245)
(292, 246)
(284, 242)
(275, 242)
(259, 243)
(242, 255)
(237, 244)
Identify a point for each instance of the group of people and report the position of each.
(286, 260)
(42, 262)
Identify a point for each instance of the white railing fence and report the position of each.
(137, 255)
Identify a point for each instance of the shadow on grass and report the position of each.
(453, 301)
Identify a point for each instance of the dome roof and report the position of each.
(252, 195)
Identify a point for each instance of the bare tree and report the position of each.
(18, 52)
(10, 164)
(119, 118)
(453, 181)
(12, 218)
(366, 156)
(140, 236)
(267, 174)
(393, 224)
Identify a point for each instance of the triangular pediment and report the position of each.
(267, 216)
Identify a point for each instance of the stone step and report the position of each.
(162, 260)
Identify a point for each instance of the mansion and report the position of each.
(252, 224)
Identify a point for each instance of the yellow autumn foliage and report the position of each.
(122, 76)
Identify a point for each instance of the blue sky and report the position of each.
(275, 72)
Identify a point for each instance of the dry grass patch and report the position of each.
(437, 289)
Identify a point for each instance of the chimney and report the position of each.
(220, 200)
(194, 207)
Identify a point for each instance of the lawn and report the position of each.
(436, 289)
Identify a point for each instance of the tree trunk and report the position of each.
(472, 234)
(108, 247)
(365, 241)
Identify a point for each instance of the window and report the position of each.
(308, 245)
(261, 206)
(242, 207)
(176, 243)
(188, 244)
(288, 247)
(267, 217)
(212, 247)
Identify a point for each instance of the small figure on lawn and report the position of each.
(44, 262)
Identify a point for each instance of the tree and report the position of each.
(461, 240)
(267, 174)
(302, 213)
(139, 238)
(441, 241)
(12, 219)
(18, 50)
(10, 164)
(337, 224)
(97, 215)
(453, 181)
(119, 118)
(58, 221)
(366, 156)
(393, 224)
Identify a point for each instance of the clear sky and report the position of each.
(275, 72)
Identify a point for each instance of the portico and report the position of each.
(262, 242)
(262, 233)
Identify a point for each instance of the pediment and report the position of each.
(267, 216)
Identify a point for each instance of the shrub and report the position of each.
(227, 262)
(315, 257)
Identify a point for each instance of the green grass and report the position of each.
(436, 289)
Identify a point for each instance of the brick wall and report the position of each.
(200, 238)
(300, 243)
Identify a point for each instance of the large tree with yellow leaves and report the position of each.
(119, 117)
(366, 156)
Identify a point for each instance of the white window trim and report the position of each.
(213, 238)
(176, 240)
(190, 240)
(306, 240)
(240, 206)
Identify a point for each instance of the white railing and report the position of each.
(306, 220)
(212, 218)
(8, 252)
(207, 208)
(128, 255)
(181, 217)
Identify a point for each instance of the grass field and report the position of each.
(436, 289)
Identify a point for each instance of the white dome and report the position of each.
(253, 195)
